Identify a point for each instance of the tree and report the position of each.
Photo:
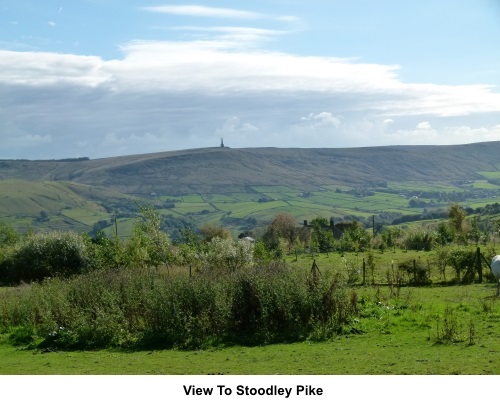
(322, 236)
(456, 218)
(210, 231)
(189, 247)
(356, 237)
(443, 234)
(474, 232)
(105, 252)
(285, 225)
(282, 234)
(227, 255)
(149, 245)
(8, 235)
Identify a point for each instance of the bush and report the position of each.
(39, 256)
(147, 308)
(418, 273)
(418, 239)
(463, 262)
(226, 255)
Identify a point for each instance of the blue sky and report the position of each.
(107, 77)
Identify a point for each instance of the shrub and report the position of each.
(418, 273)
(418, 239)
(352, 271)
(149, 245)
(43, 255)
(153, 309)
(8, 235)
(463, 262)
(226, 255)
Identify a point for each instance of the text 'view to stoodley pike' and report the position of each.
(272, 390)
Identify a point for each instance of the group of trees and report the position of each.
(37, 256)
(98, 291)
(212, 248)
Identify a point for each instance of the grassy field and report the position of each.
(66, 205)
(424, 331)
(441, 329)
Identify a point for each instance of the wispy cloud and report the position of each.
(231, 34)
(242, 35)
(204, 11)
(216, 12)
(231, 30)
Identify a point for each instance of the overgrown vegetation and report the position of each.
(146, 308)
(206, 289)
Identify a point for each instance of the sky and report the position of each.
(100, 78)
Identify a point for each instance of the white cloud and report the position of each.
(203, 11)
(289, 18)
(446, 135)
(221, 65)
(226, 13)
(261, 32)
(424, 125)
(179, 94)
(233, 126)
(240, 35)
(44, 68)
(52, 23)
(323, 119)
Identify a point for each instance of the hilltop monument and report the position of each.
(221, 142)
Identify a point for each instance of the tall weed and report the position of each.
(149, 308)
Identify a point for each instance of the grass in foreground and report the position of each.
(426, 331)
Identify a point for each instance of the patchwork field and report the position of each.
(66, 205)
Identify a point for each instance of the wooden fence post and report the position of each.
(415, 271)
(315, 273)
(479, 265)
(364, 271)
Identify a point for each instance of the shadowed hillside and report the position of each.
(212, 170)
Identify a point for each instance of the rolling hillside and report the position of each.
(237, 187)
(223, 169)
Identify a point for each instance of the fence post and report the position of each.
(479, 266)
(364, 271)
(415, 271)
(315, 273)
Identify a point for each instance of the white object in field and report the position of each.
(495, 269)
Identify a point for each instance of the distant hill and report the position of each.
(212, 170)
